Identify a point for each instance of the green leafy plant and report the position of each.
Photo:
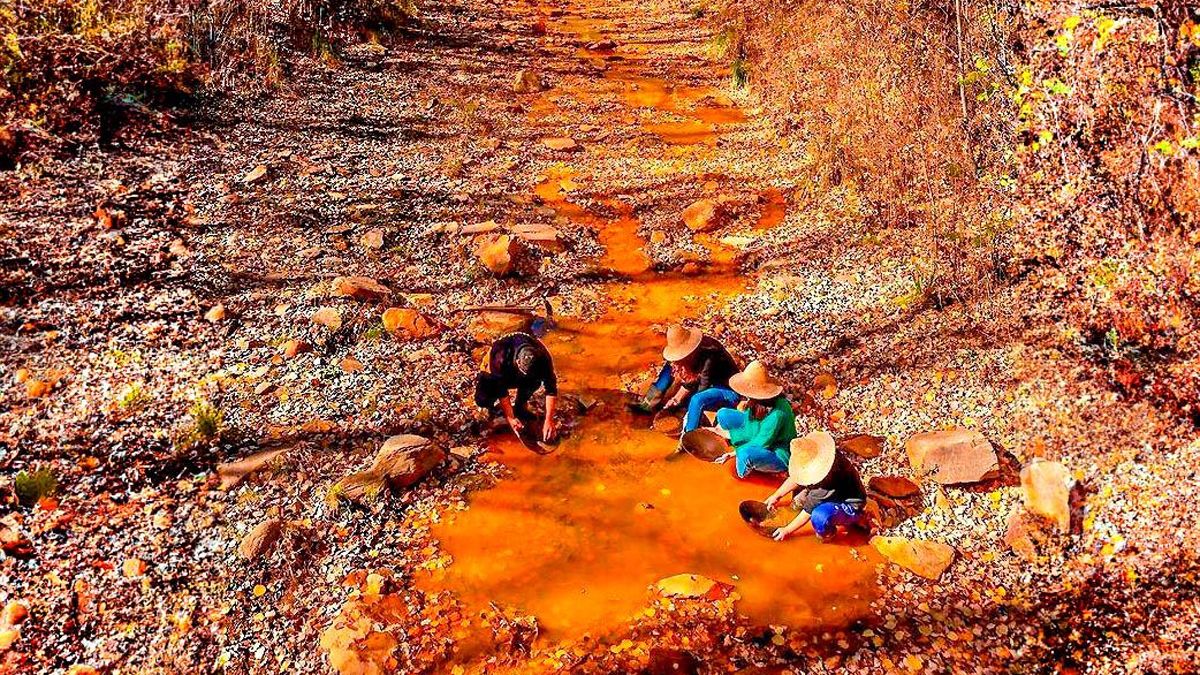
(207, 420)
(739, 72)
(132, 397)
(32, 487)
(207, 423)
(1112, 340)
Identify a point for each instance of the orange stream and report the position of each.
(577, 537)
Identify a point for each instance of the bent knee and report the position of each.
(822, 519)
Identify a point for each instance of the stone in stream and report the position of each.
(703, 215)
(487, 325)
(691, 586)
(1046, 491)
(401, 462)
(928, 559)
(953, 456)
(863, 445)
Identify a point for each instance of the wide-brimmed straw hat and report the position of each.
(681, 342)
(755, 382)
(812, 457)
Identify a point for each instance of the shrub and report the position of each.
(74, 71)
(739, 73)
(133, 396)
(897, 111)
(32, 487)
(207, 420)
(206, 425)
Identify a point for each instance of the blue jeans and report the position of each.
(664, 379)
(752, 457)
(827, 516)
(757, 458)
(713, 398)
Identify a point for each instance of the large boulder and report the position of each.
(1019, 536)
(1046, 491)
(262, 539)
(925, 558)
(953, 456)
(401, 462)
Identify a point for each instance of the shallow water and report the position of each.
(577, 537)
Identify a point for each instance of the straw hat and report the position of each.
(812, 458)
(681, 342)
(755, 382)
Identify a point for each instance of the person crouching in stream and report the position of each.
(831, 491)
(763, 425)
(520, 362)
(697, 368)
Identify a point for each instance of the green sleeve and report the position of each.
(744, 433)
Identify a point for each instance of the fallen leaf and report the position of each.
(255, 173)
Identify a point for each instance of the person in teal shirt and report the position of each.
(761, 428)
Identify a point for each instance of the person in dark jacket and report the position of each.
(698, 367)
(832, 493)
(518, 361)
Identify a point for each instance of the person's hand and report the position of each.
(549, 430)
(517, 425)
(677, 399)
(723, 458)
(770, 502)
(780, 533)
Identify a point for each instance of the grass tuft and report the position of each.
(32, 487)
